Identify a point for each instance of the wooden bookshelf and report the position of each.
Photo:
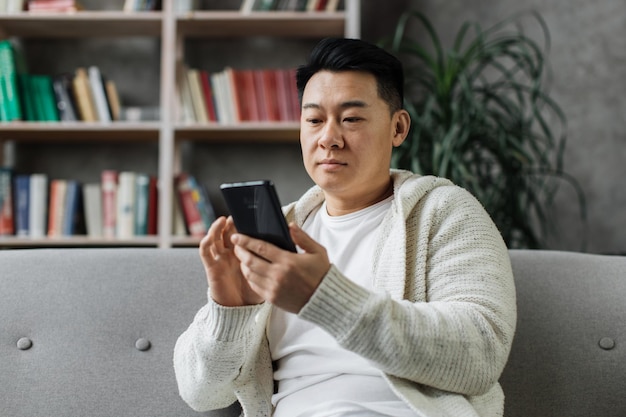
(171, 28)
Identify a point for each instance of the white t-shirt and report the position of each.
(316, 377)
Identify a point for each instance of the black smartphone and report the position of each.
(256, 211)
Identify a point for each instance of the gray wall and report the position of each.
(588, 58)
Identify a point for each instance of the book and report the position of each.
(186, 113)
(153, 206)
(10, 107)
(53, 6)
(56, 207)
(232, 98)
(14, 6)
(99, 96)
(45, 101)
(84, 96)
(207, 92)
(38, 205)
(22, 198)
(108, 181)
(114, 99)
(197, 97)
(92, 198)
(126, 204)
(73, 213)
(332, 5)
(246, 6)
(201, 198)
(6, 201)
(26, 97)
(270, 95)
(142, 185)
(221, 99)
(66, 107)
(189, 208)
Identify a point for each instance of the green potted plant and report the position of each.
(482, 116)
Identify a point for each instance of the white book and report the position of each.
(14, 6)
(246, 6)
(126, 205)
(38, 207)
(99, 96)
(92, 195)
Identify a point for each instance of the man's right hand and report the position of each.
(227, 285)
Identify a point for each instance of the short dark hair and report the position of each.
(341, 54)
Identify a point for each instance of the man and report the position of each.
(400, 301)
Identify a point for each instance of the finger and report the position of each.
(258, 247)
(303, 240)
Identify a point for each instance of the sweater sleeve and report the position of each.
(457, 338)
(217, 353)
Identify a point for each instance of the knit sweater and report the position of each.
(440, 326)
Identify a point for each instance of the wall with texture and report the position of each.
(588, 58)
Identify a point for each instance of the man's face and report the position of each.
(347, 133)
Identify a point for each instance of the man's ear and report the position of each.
(402, 123)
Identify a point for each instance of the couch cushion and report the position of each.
(569, 352)
(91, 332)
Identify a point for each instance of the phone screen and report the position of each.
(256, 211)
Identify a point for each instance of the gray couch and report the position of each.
(90, 332)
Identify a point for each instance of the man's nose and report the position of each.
(331, 136)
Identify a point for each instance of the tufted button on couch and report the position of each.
(90, 332)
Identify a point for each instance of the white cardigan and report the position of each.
(441, 330)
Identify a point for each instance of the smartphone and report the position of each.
(257, 212)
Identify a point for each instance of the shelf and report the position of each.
(246, 132)
(81, 24)
(75, 241)
(170, 29)
(226, 24)
(81, 131)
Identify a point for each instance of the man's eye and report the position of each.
(313, 121)
(352, 119)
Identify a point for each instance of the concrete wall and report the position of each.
(588, 59)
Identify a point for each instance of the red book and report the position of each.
(293, 94)
(191, 213)
(270, 94)
(207, 92)
(6, 202)
(56, 207)
(109, 203)
(248, 95)
(153, 206)
(282, 93)
(260, 94)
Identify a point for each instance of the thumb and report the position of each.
(303, 240)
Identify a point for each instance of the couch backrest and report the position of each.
(75, 325)
(569, 353)
(90, 332)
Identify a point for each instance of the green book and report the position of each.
(8, 77)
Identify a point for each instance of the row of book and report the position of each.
(84, 95)
(122, 205)
(289, 5)
(47, 6)
(237, 95)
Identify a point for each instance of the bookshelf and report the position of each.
(172, 29)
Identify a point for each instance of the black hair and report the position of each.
(341, 54)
